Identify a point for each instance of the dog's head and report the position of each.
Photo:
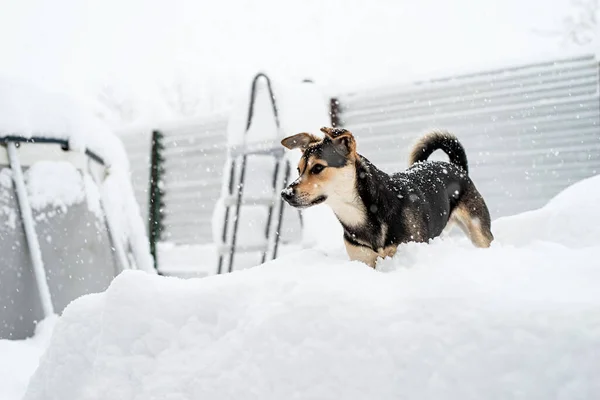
(326, 168)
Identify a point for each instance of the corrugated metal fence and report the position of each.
(530, 131)
(194, 158)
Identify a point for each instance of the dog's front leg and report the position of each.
(361, 253)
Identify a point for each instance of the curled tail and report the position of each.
(443, 141)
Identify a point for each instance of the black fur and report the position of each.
(415, 205)
(443, 141)
(327, 150)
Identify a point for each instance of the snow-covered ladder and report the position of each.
(236, 182)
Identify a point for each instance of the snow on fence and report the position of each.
(529, 130)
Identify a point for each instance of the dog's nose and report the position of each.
(287, 193)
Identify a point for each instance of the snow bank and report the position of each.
(20, 358)
(28, 111)
(445, 321)
(440, 320)
(567, 219)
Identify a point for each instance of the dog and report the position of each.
(380, 211)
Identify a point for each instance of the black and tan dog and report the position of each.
(379, 211)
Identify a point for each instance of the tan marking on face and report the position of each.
(338, 184)
(310, 186)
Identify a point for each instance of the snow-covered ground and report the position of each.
(440, 321)
(20, 358)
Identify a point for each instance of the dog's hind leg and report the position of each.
(449, 227)
(473, 217)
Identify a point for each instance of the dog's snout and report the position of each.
(287, 193)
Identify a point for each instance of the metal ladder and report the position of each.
(236, 182)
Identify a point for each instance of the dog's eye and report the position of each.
(317, 169)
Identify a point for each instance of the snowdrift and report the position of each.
(572, 218)
(440, 321)
(20, 358)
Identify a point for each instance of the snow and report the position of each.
(6, 178)
(54, 184)
(440, 320)
(567, 219)
(29, 111)
(392, 42)
(8, 213)
(92, 195)
(20, 358)
(201, 260)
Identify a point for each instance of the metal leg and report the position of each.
(241, 181)
(270, 214)
(226, 221)
(115, 239)
(32, 240)
(280, 218)
(237, 211)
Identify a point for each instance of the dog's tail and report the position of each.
(443, 141)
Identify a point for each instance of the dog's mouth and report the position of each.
(318, 200)
(300, 204)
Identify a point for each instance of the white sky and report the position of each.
(75, 45)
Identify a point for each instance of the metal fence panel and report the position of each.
(194, 154)
(529, 131)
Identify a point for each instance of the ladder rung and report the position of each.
(226, 249)
(230, 201)
(269, 149)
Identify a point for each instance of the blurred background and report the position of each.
(150, 60)
(516, 80)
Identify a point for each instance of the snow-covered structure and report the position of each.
(69, 222)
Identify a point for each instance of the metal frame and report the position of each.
(64, 144)
(35, 252)
(279, 156)
(12, 142)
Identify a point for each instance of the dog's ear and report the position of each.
(299, 141)
(341, 138)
